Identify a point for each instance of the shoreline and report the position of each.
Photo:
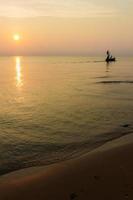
(89, 146)
(104, 173)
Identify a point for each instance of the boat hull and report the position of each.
(111, 60)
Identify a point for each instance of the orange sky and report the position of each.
(77, 31)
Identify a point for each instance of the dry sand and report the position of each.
(103, 174)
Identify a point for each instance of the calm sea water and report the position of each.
(55, 108)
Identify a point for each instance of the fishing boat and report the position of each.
(110, 59)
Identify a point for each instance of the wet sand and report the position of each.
(103, 174)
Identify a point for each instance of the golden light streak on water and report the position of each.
(19, 81)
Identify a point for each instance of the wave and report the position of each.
(116, 82)
(38, 154)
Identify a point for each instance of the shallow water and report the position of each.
(54, 108)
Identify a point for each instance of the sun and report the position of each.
(16, 37)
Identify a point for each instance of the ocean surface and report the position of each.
(56, 108)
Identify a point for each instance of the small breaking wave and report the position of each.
(42, 154)
(116, 82)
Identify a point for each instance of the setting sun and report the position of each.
(16, 37)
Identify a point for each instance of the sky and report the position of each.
(72, 27)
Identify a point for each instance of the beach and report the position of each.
(104, 173)
(66, 129)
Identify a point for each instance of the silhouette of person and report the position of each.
(108, 55)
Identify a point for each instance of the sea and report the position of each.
(57, 108)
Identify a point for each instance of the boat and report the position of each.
(110, 59)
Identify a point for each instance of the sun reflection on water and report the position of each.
(19, 81)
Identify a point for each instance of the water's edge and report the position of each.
(81, 148)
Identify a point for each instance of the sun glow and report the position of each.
(16, 37)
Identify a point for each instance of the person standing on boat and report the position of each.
(108, 55)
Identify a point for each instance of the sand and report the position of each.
(103, 174)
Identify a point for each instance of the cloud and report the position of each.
(62, 8)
